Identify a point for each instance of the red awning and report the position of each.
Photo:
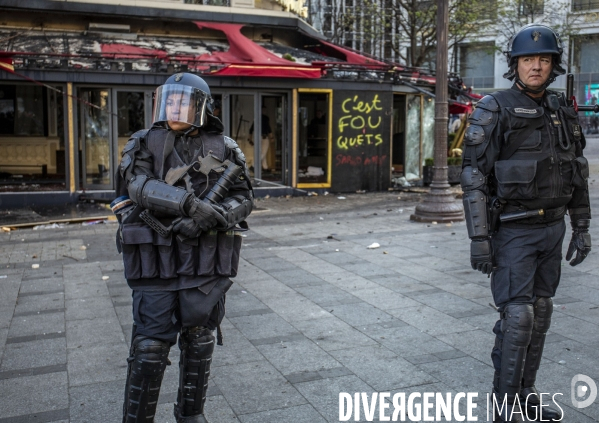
(260, 61)
(456, 108)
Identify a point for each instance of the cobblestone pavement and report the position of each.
(313, 313)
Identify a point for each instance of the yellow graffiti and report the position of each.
(360, 106)
(344, 143)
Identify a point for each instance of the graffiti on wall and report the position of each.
(359, 124)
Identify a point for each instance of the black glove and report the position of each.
(481, 255)
(203, 213)
(580, 242)
(187, 227)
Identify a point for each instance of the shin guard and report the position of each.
(197, 346)
(147, 362)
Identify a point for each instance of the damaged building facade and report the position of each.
(77, 78)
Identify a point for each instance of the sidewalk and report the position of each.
(312, 313)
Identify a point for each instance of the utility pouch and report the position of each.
(225, 242)
(572, 125)
(208, 243)
(237, 241)
(139, 257)
(516, 179)
(187, 256)
(167, 260)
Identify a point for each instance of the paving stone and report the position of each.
(33, 394)
(359, 314)
(332, 334)
(380, 368)
(296, 278)
(236, 349)
(326, 295)
(323, 394)
(85, 333)
(385, 299)
(465, 374)
(262, 326)
(45, 352)
(97, 402)
(101, 362)
(37, 324)
(299, 414)
(297, 356)
(40, 302)
(254, 387)
(89, 308)
(430, 321)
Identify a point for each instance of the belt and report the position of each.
(542, 218)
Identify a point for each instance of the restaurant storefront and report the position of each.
(308, 115)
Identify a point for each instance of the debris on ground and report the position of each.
(50, 226)
(373, 246)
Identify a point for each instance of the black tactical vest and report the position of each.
(544, 170)
(152, 261)
(210, 144)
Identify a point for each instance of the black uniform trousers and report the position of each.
(528, 262)
(162, 314)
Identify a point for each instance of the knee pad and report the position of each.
(197, 341)
(543, 309)
(517, 323)
(150, 356)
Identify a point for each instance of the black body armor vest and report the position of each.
(547, 165)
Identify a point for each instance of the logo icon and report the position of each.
(584, 391)
(535, 36)
(178, 77)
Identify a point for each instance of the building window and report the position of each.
(531, 7)
(585, 67)
(477, 65)
(579, 5)
(22, 110)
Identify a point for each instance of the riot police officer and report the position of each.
(189, 195)
(523, 170)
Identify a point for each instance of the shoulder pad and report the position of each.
(489, 103)
(234, 147)
(474, 135)
(141, 133)
(230, 143)
(481, 116)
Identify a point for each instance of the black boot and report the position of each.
(529, 398)
(197, 346)
(147, 362)
(513, 336)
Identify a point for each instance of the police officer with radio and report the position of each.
(523, 171)
(188, 197)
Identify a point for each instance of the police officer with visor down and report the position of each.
(188, 197)
(523, 171)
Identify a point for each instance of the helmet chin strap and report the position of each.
(531, 90)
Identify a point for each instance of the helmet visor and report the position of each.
(180, 103)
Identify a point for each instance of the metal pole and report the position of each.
(439, 204)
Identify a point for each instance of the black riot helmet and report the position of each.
(185, 98)
(534, 39)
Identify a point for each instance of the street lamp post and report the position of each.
(439, 204)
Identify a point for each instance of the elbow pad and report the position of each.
(237, 209)
(476, 211)
(157, 195)
(475, 202)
